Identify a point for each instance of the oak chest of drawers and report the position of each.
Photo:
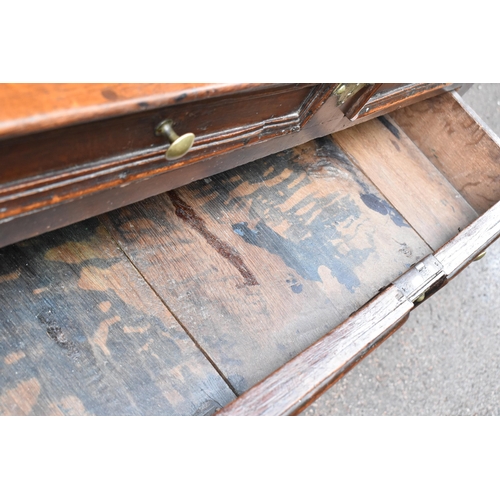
(250, 272)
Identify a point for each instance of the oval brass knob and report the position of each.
(179, 146)
(480, 256)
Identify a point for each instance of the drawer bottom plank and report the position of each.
(410, 182)
(81, 333)
(259, 262)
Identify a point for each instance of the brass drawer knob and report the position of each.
(480, 256)
(179, 146)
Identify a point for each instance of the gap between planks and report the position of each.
(188, 333)
(409, 181)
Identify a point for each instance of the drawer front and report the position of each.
(48, 167)
(387, 97)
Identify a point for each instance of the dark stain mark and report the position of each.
(307, 244)
(382, 207)
(54, 331)
(389, 126)
(187, 213)
(143, 105)
(304, 256)
(181, 97)
(109, 94)
(405, 250)
(396, 145)
(295, 285)
(332, 157)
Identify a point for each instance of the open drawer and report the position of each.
(253, 290)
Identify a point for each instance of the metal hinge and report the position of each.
(420, 278)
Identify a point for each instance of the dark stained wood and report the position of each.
(34, 107)
(260, 262)
(132, 138)
(388, 99)
(257, 264)
(360, 98)
(43, 171)
(117, 151)
(82, 333)
(409, 181)
(300, 381)
(459, 143)
(357, 104)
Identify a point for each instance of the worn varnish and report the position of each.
(259, 262)
(411, 183)
(459, 144)
(82, 333)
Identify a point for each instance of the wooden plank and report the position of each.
(82, 333)
(458, 143)
(460, 251)
(260, 262)
(409, 181)
(300, 381)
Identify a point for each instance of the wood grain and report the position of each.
(81, 333)
(462, 249)
(459, 144)
(34, 107)
(298, 383)
(260, 262)
(409, 181)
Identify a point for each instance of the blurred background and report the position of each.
(446, 359)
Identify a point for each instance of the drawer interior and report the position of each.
(181, 302)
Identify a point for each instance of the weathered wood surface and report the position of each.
(260, 262)
(458, 143)
(299, 382)
(456, 254)
(82, 333)
(409, 181)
